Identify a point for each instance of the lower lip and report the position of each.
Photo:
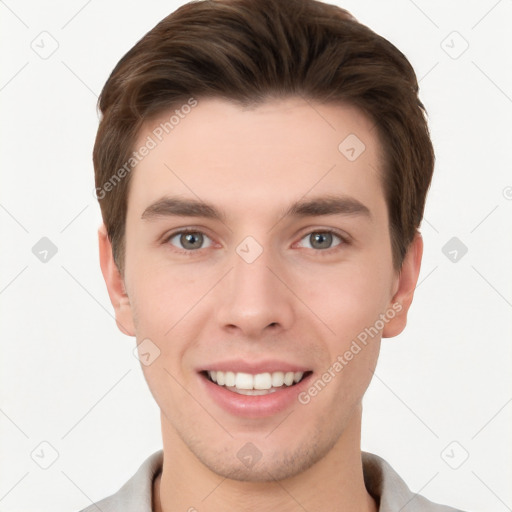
(254, 406)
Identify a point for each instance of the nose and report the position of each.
(253, 299)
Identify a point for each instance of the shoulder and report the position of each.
(388, 489)
(137, 493)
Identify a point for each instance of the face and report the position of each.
(258, 246)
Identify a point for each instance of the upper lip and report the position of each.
(254, 367)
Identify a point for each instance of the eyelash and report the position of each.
(344, 240)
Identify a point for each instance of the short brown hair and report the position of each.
(247, 51)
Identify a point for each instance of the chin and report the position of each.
(248, 464)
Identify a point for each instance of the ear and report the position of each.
(405, 285)
(115, 285)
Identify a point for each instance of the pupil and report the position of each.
(321, 240)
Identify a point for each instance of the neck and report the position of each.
(187, 484)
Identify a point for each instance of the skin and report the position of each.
(296, 302)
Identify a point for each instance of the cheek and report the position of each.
(347, 299)
(163, 293)
(163, 302)
(166, 303)
(350, 304)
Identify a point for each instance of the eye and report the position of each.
(189, 240)
(321, 240)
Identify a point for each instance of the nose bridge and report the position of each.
(253, 297)
(252, 279)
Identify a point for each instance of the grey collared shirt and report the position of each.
(381, 480)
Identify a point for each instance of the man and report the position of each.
(262, 169)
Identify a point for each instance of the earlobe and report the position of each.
(407, 280)
(115, 285)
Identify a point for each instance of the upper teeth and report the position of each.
(258, 381)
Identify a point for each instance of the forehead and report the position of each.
(274, 153)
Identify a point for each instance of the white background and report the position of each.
(69, 378)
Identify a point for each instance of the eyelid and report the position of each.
(344, 237)
(169, 236)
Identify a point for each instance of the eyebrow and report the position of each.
(324, 205)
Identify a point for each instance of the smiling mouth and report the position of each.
(255, 384)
